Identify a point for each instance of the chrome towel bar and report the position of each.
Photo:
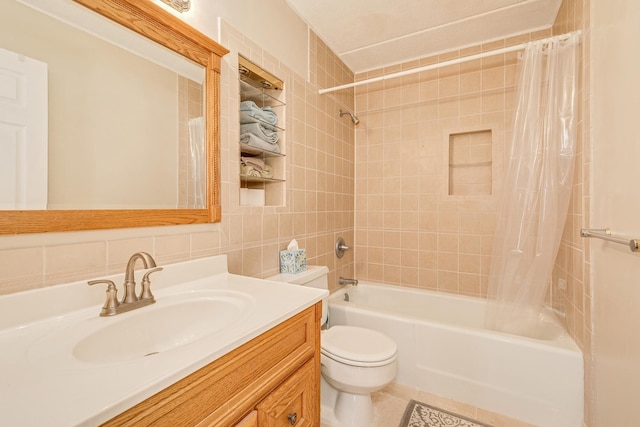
(605, 234)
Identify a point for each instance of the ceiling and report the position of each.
(370, 34)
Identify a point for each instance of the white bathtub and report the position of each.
(444, 349)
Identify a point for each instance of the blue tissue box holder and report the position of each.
(292, 262)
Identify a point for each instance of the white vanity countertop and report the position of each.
(42, 385)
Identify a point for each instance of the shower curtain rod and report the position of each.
(447, 63)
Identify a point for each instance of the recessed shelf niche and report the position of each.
(470, 163)
(262, 166)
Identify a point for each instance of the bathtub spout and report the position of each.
(344, 281)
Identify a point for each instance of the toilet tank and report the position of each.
(316, 276)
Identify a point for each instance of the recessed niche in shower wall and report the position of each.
(470, 160)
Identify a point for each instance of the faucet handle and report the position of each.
(341, 247)
(111, 301)
(146, 284)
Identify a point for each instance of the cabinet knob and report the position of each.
(293, 418)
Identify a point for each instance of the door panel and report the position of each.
(23, 132)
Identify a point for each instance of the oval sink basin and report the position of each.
(158, 329)
(172, 322)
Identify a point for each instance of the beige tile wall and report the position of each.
(319, 193)
(409, 230)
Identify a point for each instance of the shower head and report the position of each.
(354, 119)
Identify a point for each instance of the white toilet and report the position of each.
(355, 362)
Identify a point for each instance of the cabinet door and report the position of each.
(293, 402)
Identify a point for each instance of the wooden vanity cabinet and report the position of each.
(273, 380)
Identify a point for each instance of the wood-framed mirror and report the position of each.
(156, 24)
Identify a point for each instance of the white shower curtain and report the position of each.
(537, 189)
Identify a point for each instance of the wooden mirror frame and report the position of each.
(153, 22)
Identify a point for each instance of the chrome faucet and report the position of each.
(130, 301)
(344, 281)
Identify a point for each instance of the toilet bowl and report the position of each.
(355, 362)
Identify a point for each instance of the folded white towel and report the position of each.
(246, 118)
(249, 171)
(266, 172)
(253, 141)
(265, 114)
(260, 131)
(255, 162)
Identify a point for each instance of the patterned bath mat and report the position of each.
(421, 415)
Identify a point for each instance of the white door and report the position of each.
(23, 132)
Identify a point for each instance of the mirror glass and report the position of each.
(87, 124)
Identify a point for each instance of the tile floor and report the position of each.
(389, 405)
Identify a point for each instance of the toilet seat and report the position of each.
(356, 346)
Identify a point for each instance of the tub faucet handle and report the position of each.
(341, 247)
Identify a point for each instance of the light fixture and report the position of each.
(179, 5)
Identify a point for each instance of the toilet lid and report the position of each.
(354, 345)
